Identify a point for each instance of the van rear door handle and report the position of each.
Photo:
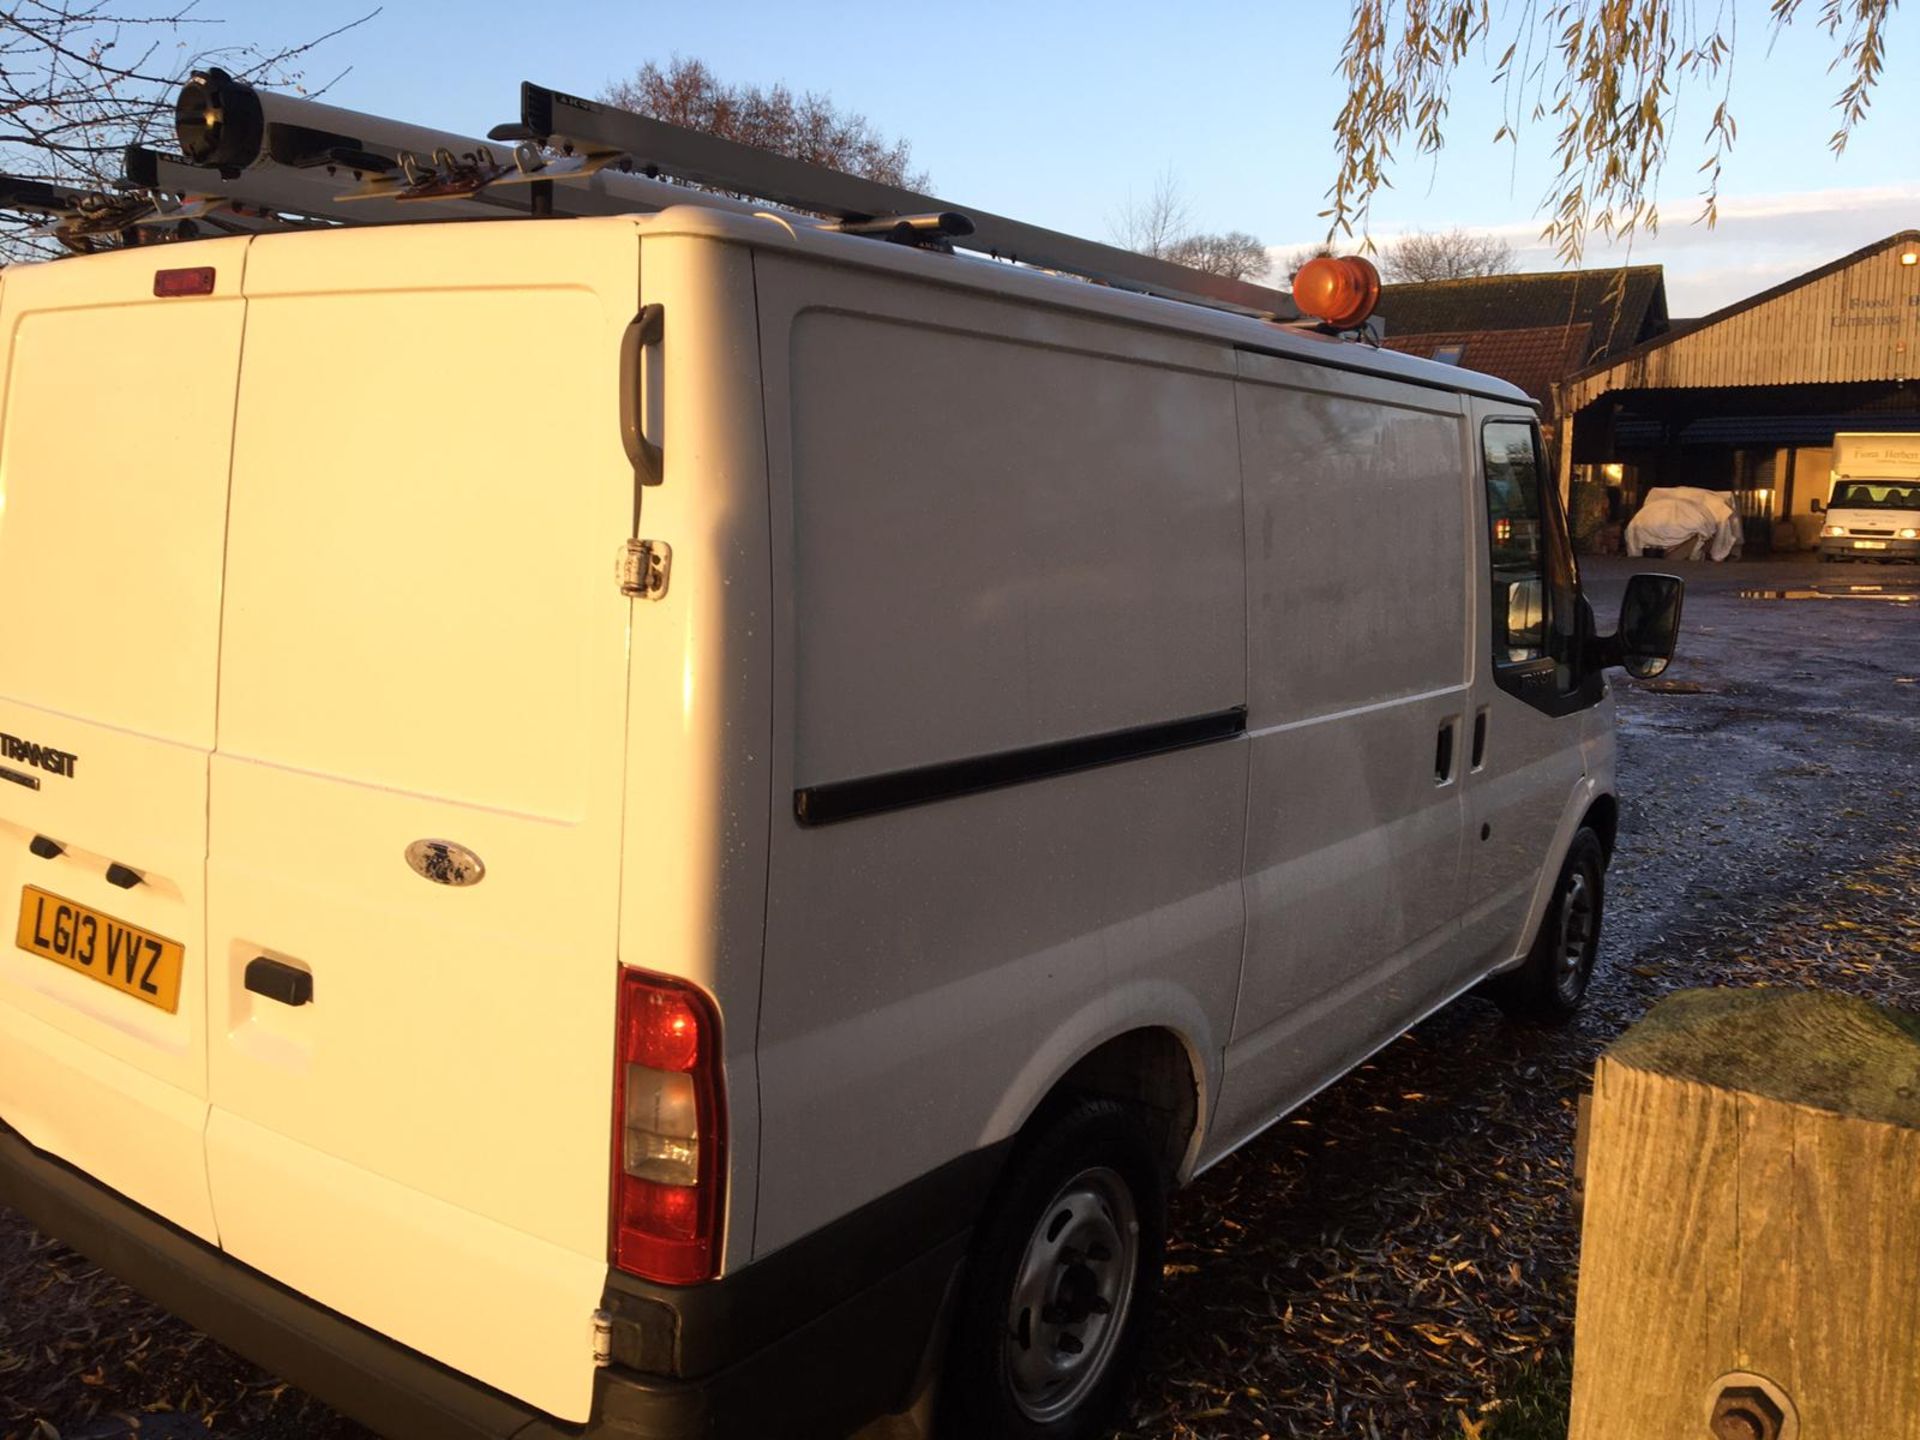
(1479, 739)
(643, 333)
(277, 980)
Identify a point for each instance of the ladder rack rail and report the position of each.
(260, 160)
(292, 153)
(570, 122)
(277, 188)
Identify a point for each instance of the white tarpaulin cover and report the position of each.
(1675, 517)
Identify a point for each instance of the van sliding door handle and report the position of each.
(1443, 753)
(277, 980)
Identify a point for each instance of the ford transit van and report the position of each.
(679, 825)
(1873, 508)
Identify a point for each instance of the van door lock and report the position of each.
(643, 568)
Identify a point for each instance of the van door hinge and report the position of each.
(602, 1338)
(643, 568)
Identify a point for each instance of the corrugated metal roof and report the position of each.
(1854, 318)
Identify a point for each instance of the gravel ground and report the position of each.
(1397, 1259)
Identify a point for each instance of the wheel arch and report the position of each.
(1151, 1068)
(1588, 804)
(1603, 818)
(1161, 1064)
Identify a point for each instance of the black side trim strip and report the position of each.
(32, 782)
(876, 794)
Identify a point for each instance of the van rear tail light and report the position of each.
(669, 1132)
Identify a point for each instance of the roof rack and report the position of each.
(598, 133)
(258, 159)
(358, 169)
(86, 219)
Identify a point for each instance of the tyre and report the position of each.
(1552, 981)
(1060, 1280)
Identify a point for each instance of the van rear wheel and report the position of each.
(1552, 982)
(1063, 1269)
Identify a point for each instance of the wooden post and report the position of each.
(1752, 1224)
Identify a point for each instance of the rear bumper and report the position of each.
(831, 1359)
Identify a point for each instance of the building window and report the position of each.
(1450, 354)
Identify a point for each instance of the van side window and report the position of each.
(1520, 597)
(1536, 589)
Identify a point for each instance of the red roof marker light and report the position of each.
(198, 280)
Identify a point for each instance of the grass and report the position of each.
(1534, 1404)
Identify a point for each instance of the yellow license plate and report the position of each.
(1869, 544)
(138, 962)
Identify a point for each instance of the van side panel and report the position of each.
(113, 512)
(1009, 526)
(1357, 544)
(700, 767)
(424, 640)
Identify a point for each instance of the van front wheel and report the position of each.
(1552, 982)
(1063, 1268)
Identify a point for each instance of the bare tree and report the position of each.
(1153, 226)
(1604, 74)
(1160, 226)
(1232, 253)
(1445, 255)
(80, 80)
(805, 127)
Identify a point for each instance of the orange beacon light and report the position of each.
(1340, 291)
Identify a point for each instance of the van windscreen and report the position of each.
(1875, 495)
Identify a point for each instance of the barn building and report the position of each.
(1749, 398)
(1745, 400)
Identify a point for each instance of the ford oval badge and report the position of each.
(445, 863)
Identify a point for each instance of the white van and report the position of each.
(677, 825)
(1873, 509)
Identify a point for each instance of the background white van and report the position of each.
(674, 826)
(1873, 508)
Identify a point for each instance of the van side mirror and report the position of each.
(1818, 507)
(1526, 617)
(1649, 625)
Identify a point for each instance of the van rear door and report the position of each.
(113, 506)
(425, 642)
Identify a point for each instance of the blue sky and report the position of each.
(1057, 114)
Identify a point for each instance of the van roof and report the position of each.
(780, 232)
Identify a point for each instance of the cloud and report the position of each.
(1760, 240)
